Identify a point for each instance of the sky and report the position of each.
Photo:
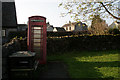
(46, 8)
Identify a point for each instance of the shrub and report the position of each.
(19, 34)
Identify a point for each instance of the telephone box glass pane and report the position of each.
(37, 36)
(36, 49)
(36, 45)
(37, 31)
(37, 40)
(36, 27)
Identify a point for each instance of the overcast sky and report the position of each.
(46, 8)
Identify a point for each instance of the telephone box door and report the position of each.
(37, 37)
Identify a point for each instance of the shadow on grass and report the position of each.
(90, 69)
(91, 53)
(83, 69)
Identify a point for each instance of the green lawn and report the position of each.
(92, 64)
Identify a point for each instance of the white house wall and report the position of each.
(69, 28)
(54, 30)
(75, 27)
(72, 27)
(64, 28)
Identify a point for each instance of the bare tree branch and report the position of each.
(109, 11)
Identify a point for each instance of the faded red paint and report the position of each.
(41, 50)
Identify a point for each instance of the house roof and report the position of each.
(84, 24)
(69, 24)
(9, 19)
(37, 16)
(60, 29)
(74, 23)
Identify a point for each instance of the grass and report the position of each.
(93, 64)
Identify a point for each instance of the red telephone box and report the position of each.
(37, 35)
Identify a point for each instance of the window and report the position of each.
(3, 32)
(66, 28)
(70, 28)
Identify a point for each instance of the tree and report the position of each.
(98, 26)
(114, 31)
(76, 8)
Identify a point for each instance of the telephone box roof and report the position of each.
(38, 16)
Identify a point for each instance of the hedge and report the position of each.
(80, 43)
(83, 43)
(59, 34)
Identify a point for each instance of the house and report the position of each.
(69, 27)
(115, 24)
(49, 27)
(75, 26)
(9, 19)
(22, 27)
(58, 29)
